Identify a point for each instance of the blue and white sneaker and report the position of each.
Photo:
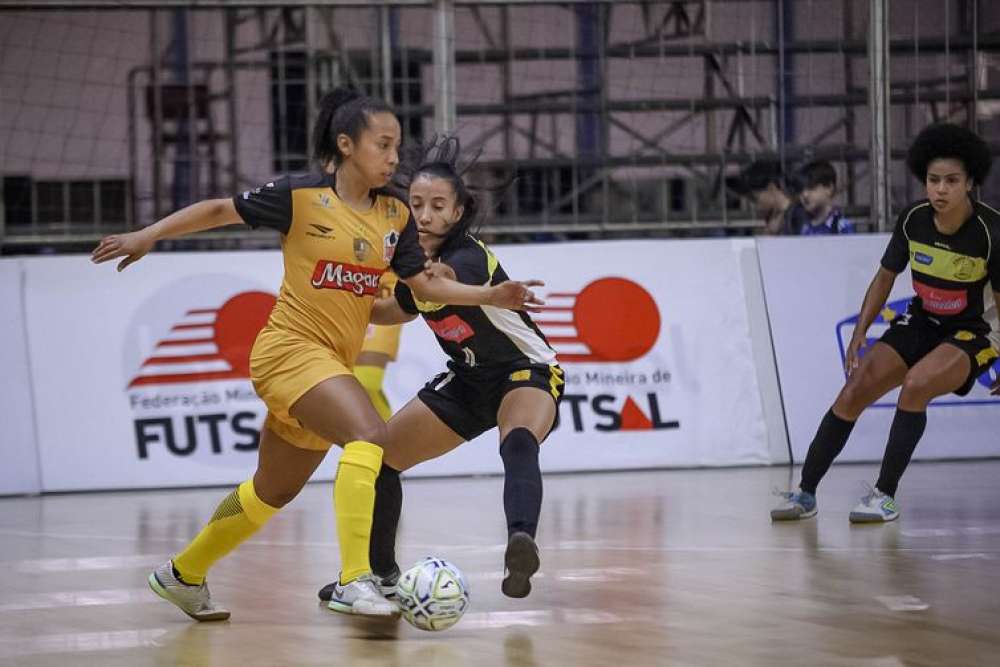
(794, 506)
(875, 507)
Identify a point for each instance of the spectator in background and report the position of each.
(763, 182)
(819, 185)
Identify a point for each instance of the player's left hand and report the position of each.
(517, 295)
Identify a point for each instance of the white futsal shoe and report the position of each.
(386, 585)
(195, 601)
(875, 507)
(361, 596)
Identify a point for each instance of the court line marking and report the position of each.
(63, 599)
(903, 602)
(80, 642)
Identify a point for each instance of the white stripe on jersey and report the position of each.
(990, 315)
(520, 334)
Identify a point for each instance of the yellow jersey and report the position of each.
(334, 257)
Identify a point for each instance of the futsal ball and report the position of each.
(432, 594)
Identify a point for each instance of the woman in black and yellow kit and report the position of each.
(946, 339)
(339, 234)
(501, 373)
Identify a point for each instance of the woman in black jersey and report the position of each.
(947, 337)
(501, 372)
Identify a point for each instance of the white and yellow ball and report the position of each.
(433, 594)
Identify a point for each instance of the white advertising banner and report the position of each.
(141, 378)
(19, 470)
(814, 289)
(655, 342)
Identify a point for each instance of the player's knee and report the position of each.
(852, 399)
(374, 432)
(917, 386)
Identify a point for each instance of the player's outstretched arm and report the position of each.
(512, 294)
(875, 298)
(203, 215)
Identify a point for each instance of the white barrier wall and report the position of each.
(814, 289)
(18, 452)
(140, 378)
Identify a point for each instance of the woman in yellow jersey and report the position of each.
(501, 373)
(339, 234)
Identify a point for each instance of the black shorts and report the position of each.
(468, 406)
(914, 337)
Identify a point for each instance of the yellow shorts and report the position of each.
(383, 339)
(283, 367)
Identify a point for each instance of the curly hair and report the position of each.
(948, 141)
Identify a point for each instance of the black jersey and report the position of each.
(952, 273)
(479, 339)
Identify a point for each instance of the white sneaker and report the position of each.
(386, 585)
(361, 596)
(195, 601)
(875, 507)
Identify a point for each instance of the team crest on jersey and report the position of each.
(325, 200)
(965, 268)
(389, 243)
(361, 249)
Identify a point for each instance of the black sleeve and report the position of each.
(409, 258)
(470, 263)
(897, 253)
(404, 297)
(270, 205)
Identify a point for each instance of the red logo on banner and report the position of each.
(452, 328)
(361, 280)
(609, 320)
(941, 301)
(209, 343)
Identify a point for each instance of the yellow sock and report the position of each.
(238, 516)
(354, 503)
(371, 378)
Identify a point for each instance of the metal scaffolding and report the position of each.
(186, 113)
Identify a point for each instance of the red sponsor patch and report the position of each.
(941, 301)
(359, 280)
(452, 328)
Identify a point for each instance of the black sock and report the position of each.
(522, 486)
(907, 427)
(831, 436)
(385, 519)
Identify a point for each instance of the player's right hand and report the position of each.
(516, 295)
(132, 246)
(853, 359)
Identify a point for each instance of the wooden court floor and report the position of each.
(648, 568)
